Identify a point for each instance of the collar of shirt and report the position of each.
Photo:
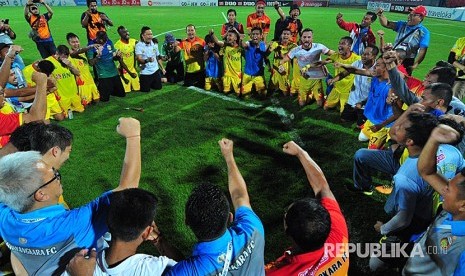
(457, 226)
(213, 247)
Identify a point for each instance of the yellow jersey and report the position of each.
(128, 50)
(232, 60)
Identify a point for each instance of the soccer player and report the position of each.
(149, 58)
(238, 248)
(64, 74)
(457, 59)
(127, 46)
(259, 19)
(412, 36)
(379, 113)
(308, 53)
(53, 107)
(94, 21)
(255, 53)
(231, 24)
(340, 92)
(361, 34)
(213, 64)
(353, 109)
(313, 224)
(87, 89)
(39, 23)
(193, 57)
(103, 58)
(231, 53)
(280, 73)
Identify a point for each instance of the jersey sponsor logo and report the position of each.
(33, 251)
(440, 157)
(63, 76)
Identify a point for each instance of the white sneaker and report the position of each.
(362, 137)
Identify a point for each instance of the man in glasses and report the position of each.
(412, 36)
(42, 234)
(39, 25)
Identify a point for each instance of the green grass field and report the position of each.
(181, 127)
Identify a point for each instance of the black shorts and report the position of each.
(110, 86)
(152, 81)
(195, 79)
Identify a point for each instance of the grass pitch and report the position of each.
(181, 127)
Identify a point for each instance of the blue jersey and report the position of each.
(213, 65)
(248, 245)
(376, 108)
(254, 57)
(45, 240)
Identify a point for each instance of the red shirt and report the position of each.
(316, 262)
(262, 22)
(8, 124)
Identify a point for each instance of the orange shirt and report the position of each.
(41, 25)
(193, 54)
(262, 22)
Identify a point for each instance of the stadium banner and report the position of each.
(120, 2)
(456, 14)
(160, 3)
(302, 3)
(19, 3)
(199, 3)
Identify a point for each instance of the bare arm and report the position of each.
(6, 65)
(315, 175)
(39, 106)
(26, 10)
(279, 10)
(420, 57)
(85, 20)
(130, 173)
(442, 134)
(70, 66)
(236, 183)
(384, 21)
(49, 9)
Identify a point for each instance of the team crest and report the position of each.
(22, 240)
(445, 243)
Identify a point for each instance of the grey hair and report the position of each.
(19, 177)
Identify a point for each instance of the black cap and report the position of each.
(3, 45)
(294, 7)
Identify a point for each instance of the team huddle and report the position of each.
(414, 131)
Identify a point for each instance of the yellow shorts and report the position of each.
(310, 89)
(215, 82)
(295, 83)
(280, 81)
(73, 103)
(249, 81)
(336, 97)
(88, 93)
(377, 139)
(133, 84)
(53, 107)
(235, 82)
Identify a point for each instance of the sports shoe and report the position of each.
(352, 188)
(384, 189)
(362, 137)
